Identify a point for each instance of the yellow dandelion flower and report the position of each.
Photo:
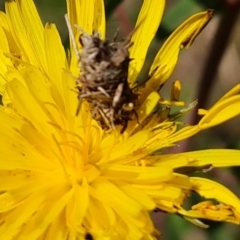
(64, 177)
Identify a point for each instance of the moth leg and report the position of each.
(117, 95)
(124, 126)
(104, 117)
(72, 37)
(116, 99)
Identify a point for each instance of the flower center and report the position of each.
(87, 173)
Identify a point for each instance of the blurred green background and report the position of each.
(189, 70)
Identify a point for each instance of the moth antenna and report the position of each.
(116, 35)
(138, 84)
(112, 118)
(129, 36)
(74, 44)
(79, 28)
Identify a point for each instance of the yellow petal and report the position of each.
(146, 27)
(19, 216)
(81, 13)
(183, 36)
(34, 112)
(56, 232)
(107, 192)
(56, 59)
(234, 91)
(138, 195)
(132, 144)
(215, 157)
(56, 62)
(176, 90)
(181, 181)
(166, 192)
(207, 210)
(4, 21)
(99, 23)
(144, 111)
(105, 219)
(133, 174)
(183, 133)
(213, 190)
(4, 61)
(174, 160)
(19, 32)
(14, 49)
(29, 197)
(221, 112)
(22, 159)
(75, 213)
(4, 48)
(35, 30)
(47, 213)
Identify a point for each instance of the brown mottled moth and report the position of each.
(103, 80)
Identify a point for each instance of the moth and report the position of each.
(103, 80)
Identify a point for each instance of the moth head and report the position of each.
(128, 106)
